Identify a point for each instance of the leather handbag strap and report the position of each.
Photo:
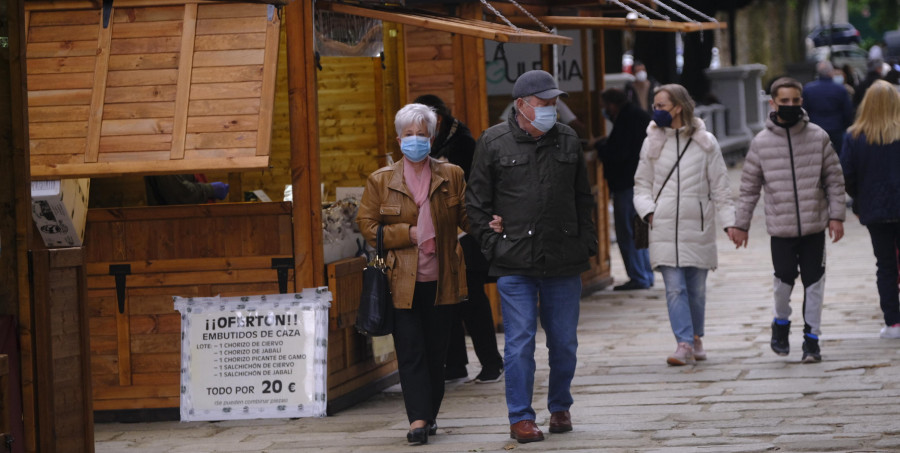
(379, 242)
(672, 170)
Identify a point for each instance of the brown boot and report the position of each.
(525, 431)
(560, 422)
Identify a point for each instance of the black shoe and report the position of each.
(455, 374)
(629, 286)
(811, 352)
(417, 436)
(488, 376)
(780, 333)
(432, 428)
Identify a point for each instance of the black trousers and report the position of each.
(808, 254)
(885, 240)
(475, 314)
(420, 340)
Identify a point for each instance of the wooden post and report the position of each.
(15, 208)
(309, 262)
(586, 82)
(471, 80)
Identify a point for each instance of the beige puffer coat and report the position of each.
(683, 232)
(802, 177)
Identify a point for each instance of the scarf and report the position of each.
(419, 186)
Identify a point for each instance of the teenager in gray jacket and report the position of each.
(794, 161)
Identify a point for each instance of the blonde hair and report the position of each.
(878, 115)
(680, 98)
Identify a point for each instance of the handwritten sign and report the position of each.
(254, 356)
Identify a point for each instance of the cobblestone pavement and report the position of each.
(743, 399)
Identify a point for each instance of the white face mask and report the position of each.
(641, 76)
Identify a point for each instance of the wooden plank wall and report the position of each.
(201, 251)
(161, 89)
(350, 130)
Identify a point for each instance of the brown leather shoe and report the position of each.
(525, 431)
(560, 422)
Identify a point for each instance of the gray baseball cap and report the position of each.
(537, 83)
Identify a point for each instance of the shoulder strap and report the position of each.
(379, 242)
(673, 169)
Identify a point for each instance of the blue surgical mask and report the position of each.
(662, 118)
(415, 147)
(544, 117)
(838, 79)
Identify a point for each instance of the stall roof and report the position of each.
(55, 5)
(434, 21)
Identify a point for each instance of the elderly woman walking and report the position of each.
(420, 202)
(681, 180)
(871, 163)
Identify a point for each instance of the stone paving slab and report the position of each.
(743, 399)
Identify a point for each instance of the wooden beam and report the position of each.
(309, 261)
(98, 94)
(433, 21)
(17, 230)
(183, 87)
(54, 5)
(474, 77)
(621, 23)
(267, 102)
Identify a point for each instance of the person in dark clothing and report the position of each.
(620, 154)
(828, 105)
(455, 143)
(875, 67)
(182, 189)
(871, 163)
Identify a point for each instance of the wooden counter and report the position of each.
(190, 251)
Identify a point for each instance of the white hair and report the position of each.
(825, 68)
(415, 114)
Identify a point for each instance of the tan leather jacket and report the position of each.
(387, 201)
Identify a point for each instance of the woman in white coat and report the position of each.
(681, 181)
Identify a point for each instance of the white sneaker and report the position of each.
(890, 331)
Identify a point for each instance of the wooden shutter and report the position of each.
(160, 89)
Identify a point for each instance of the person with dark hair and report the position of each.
(875, 68)
(793, 160)
(828, 104)
(454, 143)
(640, 91)
(620, 154)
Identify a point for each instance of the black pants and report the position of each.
(420, 339)
(885, 240)
(807, 253)
(475, 314)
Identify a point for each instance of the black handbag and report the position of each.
(641, 229)
(375, 315)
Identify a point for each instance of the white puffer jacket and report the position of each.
(683, 233)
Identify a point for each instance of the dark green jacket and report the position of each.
(541, 190)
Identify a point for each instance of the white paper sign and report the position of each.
(254, 356)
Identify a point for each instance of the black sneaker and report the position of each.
(454, 375)
(488, 376)
(780, 334)
(811, 352)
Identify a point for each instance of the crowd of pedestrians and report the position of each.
(515, 207)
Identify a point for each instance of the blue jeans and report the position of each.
(686, 299)
(637, 261)
(559, 305)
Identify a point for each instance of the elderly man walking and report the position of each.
(529, 201)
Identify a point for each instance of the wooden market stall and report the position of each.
(137, 88)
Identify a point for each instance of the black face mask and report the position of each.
(790, 114)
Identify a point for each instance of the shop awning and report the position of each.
(434, 21)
